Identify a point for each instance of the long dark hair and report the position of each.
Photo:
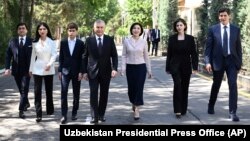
(37, 33)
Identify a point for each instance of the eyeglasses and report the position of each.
(42, 29)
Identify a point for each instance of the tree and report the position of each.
(11, 13)
(168, 13)
(244, 23)
(139, 11)
(202, 18)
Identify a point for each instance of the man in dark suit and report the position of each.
(19, 51)
(155, 35)
(98, 68)
(224, 53)
(70, 68)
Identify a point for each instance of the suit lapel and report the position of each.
(232, 36)
(104, 43)
(218, 33)
(16, 45)
(93, 46)
(75, 48)
(67, 47)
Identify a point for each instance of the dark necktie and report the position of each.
(100, 45)
(21, 43)
(225, 42)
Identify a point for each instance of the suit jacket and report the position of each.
(153, 35)
(214, 49)
(43, 55)
(181, 57)
(71, 63)
(94, 62)
(12, 54)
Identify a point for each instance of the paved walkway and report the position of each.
(157, 109)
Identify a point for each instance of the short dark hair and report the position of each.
(132, 26)
(72, 26)
(224, 9)
(182, 21)
(21, 24)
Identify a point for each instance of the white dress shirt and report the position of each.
(71, 44)
(135, 52)
(24, 39)
(97, 41)
(43, 54)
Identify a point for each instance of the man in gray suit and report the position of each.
(224, 53)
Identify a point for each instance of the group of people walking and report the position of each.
(152, 36)
(96, 60)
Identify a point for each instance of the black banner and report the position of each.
(232, 132)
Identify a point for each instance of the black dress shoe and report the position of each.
(210, 110)
(21, 115)
(50, 113)
(74, 117)
(38, 119)
(26, 107)
(63, 120)
(94, 121)
(234, 117)
(102, 119)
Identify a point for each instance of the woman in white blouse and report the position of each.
(136, 64)
(42, 67)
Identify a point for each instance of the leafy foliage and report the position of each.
(168, 13)
(139, 11)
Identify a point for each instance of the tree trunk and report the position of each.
(21, 10)
(30, 16)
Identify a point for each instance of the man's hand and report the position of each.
(7, 72)
(59, 75)
(194, 71)
(113, 73)
(208, 68)
(85, 76)
(80, 76)
(30, 73)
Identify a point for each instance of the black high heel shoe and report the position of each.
(136, 114)
(178, 115)
(38, 119)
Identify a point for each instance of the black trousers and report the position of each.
(48, 81)
(231, 72)
(155, 47)
(136, 76)
(23, 82)
(64, 93)
(180, 96)
(149, 46)
(98, 107)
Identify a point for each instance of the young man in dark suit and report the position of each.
(19, 51)
(224, 53)
(98, 69)
(70, 68)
